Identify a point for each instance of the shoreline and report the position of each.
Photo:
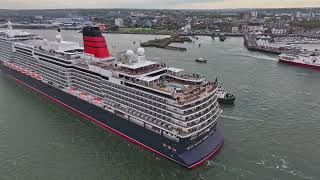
(120, 32)
(169, 33)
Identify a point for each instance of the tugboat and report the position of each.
(222, 37)
(224, 97)
(201, 60)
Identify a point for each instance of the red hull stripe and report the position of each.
(115, 131)
(208, 157)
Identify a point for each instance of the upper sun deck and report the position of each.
(182, 90)
(16, 35)
(140, 68)
(174, 82)
(60, 49)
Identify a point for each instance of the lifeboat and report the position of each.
(97, 100)
(19, 69)
(13, 66)
(23, 70)
(33, 74)
(84, 95)
(72, 90)
(28, 73)
(38, 76)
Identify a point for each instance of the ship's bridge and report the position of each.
(59, 45)
(178, 74)
(59, 48)
(136, 65)
(139, 68)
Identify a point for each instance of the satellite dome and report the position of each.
(59, 37)
(129, 53)
(140, 51)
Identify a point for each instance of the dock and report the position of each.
(251, 44)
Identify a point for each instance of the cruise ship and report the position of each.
(165, 110)
(307, 59)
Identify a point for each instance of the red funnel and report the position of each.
(94, 42)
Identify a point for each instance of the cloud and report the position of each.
(170, 4)
(251, 4)
(38, 4)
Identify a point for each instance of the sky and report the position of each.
(156, 4)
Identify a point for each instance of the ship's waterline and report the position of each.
(271, 132)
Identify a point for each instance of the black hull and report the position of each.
(222, 38)
(121, 126)
(201, 61)
(226, 100)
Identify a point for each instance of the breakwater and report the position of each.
(165, 43)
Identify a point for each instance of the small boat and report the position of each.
(222, 37)
(224, 97)
(201, 60)
(213, 35)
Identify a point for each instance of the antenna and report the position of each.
(9, 25)
(10, 33)
(59, 36)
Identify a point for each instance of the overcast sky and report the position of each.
(171, 4)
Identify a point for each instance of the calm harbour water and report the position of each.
(272, 132)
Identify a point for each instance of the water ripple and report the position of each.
(231, 169)
(263, 57)
(304, 74)
(279, 163)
